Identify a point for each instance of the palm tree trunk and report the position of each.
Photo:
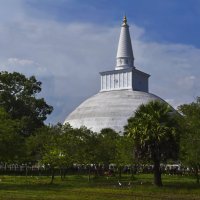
(157, 173)
(89, 171)
(132, 172)
(120, 172)
(52, 175)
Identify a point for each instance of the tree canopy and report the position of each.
(190, 139)
(18, 97)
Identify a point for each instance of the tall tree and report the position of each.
(190, 138)
(124, 153)
(155, 135)
(45, 146)
(80, 144)
(18, 96)
(107, 146)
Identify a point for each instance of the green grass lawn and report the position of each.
(103, 188)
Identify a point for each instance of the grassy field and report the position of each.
(103, 188)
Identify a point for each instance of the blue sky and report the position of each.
(165, 20)
(65, 43)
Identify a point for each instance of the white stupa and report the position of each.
(122, 91)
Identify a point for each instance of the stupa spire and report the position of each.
(124, 20)
(125, 58)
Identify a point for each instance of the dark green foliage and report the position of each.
(61, 146)
(124, 155)
(124, 151)
(11, 142)
(18, 96)
(107, 146)
(45, 146)
(77, 143)
(190, 139)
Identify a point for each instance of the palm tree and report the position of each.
(154, 131)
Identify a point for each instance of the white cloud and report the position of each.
(187, 82)
(68, 57)
(174, 69)
(19, 62)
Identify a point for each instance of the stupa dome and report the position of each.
(109, 109)
(123, 90)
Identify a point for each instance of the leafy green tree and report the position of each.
(72, 142)
(124, 153)
(44, 146)
(35, 144)
(12, 144)
(18, 96)
(190, 138)
(59, 147)
(80, 144)
(154, 131)
(53, 157)
(107, 146)
(91, 151)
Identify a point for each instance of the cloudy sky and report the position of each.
(66, 43)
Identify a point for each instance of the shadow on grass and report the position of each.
(179, 185)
